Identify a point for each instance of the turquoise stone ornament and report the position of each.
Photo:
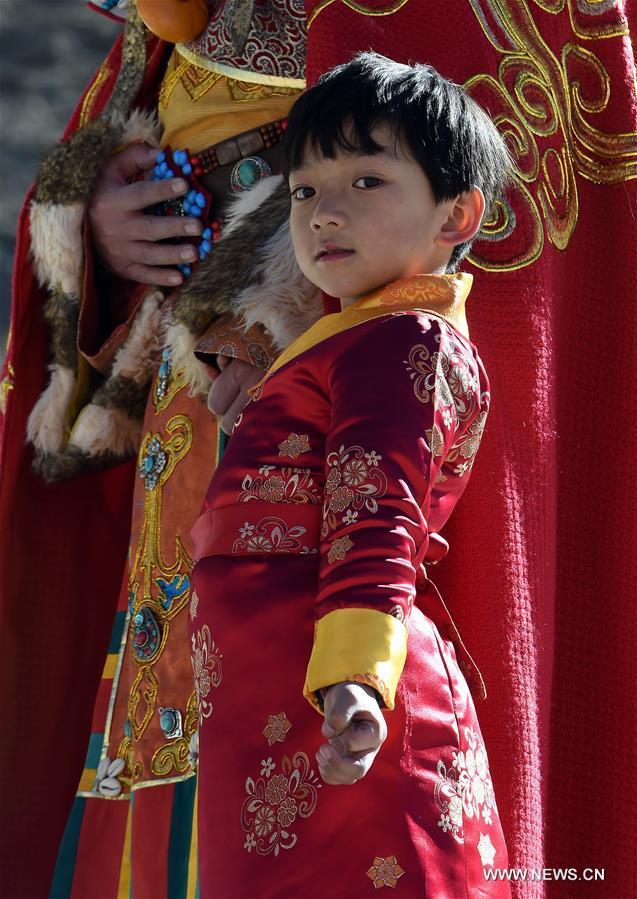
(146, 635)
(152, 462)
(171, 722)
(248, 172)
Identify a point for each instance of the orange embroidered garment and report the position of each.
(311, 551)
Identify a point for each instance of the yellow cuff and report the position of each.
(360, 645)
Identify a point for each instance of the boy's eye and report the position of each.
(367, 182)
(302, 193)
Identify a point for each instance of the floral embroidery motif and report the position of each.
(194, 605)
(294, 445)
(443, 378)
(339, 549)
(276, 728)
(435, 440)
(288, 485)
(465, 789)
(486, 849)
(354, 482)
(206, 666)
(267, 766)
(274, 801)
(385, 872)
(467, 447)
(271, 535)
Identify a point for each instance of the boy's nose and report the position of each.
(327, 213)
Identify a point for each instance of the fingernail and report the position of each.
(179, 186)
(174, 279)
(192, 228)
(188, 254)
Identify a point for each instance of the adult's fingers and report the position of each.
(146, 274)
(147, 193)
(131, 162)
(148, 253)
(158, 227)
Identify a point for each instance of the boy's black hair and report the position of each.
(444, 130)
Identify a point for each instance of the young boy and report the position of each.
(311, 592)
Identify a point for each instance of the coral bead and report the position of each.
(174, 20)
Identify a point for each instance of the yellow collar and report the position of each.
(442, 295)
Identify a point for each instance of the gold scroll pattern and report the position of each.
(150, 569)
(543, 102)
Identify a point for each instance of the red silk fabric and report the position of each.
(370, 433)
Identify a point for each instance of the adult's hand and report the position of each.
(124, 237)
(229, 391)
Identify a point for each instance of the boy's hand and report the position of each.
(355, 728)
(228, 393)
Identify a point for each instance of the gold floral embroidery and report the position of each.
(443, 377)
(206, 666)
(467, 447)
(280, 485)
(465, 789)
(339, 549)
(354, 482)
(385, 872)
(294, 445)
(274, 801)
(271, 535)
(435, 440)
(276, 729)
(376, 682)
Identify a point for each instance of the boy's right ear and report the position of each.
(464, 220)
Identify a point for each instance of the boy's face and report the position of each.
(360, 222)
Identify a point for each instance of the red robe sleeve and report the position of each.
(394, 422)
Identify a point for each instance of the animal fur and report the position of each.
(56, 244)
(46, 426)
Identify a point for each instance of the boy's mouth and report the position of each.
(330, 252)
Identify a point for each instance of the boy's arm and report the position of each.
(393, 422)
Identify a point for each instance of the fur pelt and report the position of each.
(64, 185)
(271, 291)
(46, 426)
(56, 244)
(257, 229)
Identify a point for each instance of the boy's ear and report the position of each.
(464, 219)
